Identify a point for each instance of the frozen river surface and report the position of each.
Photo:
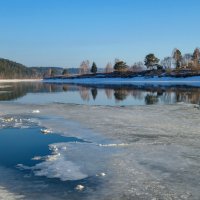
(100, 152)
(106, 142)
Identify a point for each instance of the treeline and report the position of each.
(13, 70)
(189, 61)
(177, 60)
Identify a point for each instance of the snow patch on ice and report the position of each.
(46, 131)
(16, 121)
(56, 166)
(36, 111)
(79, 187)
(60, 168)
(37, 158)
(114, 145)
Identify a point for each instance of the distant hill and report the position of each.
(73, 70)
(13, 70)
(76, 70)
(43, 71)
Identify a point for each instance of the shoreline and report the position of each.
(195, 80)
(19, 80)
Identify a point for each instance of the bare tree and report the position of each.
(196, 57)
(176, 54)
(137, 67)
(108, 68)
(84, 67)
(187, 59)
(166, 62)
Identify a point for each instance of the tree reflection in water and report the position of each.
(151, 99)
(120, 94)
(148, 94)
(84, 93)
(109, 93)
(94, 93)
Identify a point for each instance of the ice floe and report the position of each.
(16, 121)
(79, 187)
(36, 111)
(101, 174)
(46, 131)
(37, 158)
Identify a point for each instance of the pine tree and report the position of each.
(94, 68)
(53, 72)
(65, 72)
(151, 61)
(120, 66)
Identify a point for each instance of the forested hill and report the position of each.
(13, 70)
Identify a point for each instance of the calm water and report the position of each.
(30, 143)
(42, 93)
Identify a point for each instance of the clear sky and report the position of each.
(65, 32)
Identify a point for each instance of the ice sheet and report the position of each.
(146, 152)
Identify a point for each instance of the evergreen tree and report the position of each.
(65, 72)
(151, 61)
(53, 72)
(10, 70)
(120, 66)
(93, 68)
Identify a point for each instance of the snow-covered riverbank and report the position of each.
(19, 80)
(195, 80)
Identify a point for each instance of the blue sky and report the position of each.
(65, 32)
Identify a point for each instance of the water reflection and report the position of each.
(146, 94)
(94, 93)
(120, 94)
(151, 99)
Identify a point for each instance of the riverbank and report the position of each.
(19, 80)
(192, 81)
(162, 76)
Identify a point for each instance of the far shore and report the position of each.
(19, 80)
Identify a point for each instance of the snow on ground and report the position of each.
(194, 81)
(18, 80)
(146, 152)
